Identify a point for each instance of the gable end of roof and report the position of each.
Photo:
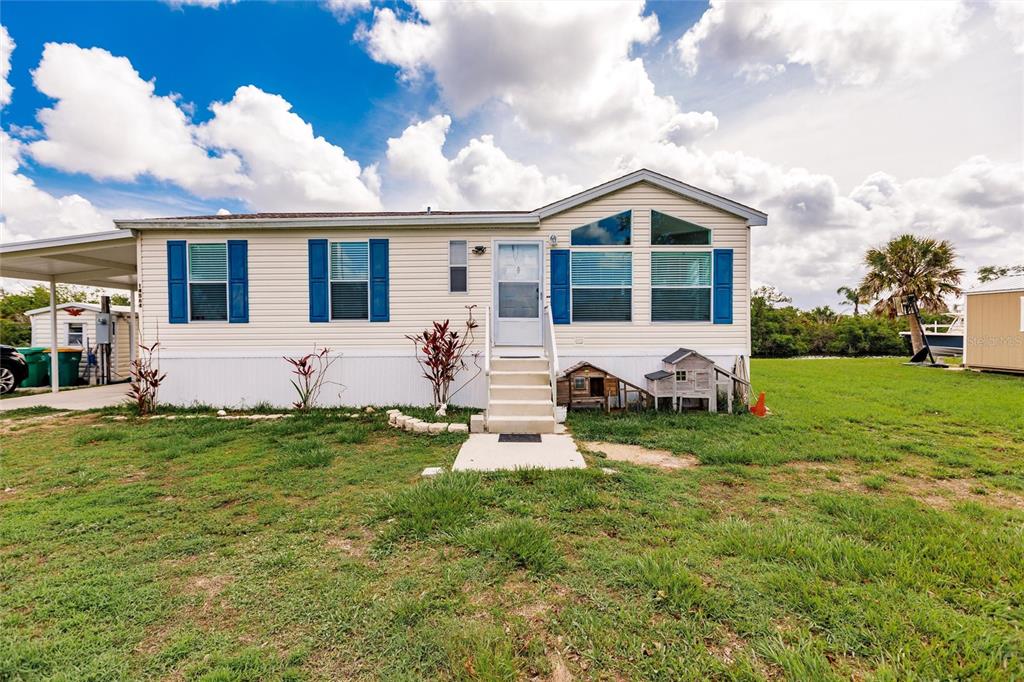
(751, 215)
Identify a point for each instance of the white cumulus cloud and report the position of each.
(287, 166)
(849, 43)
(7, 46)
(110, 123)
(479, 176)
(564, 69)
(1009, 15)
(28, 212)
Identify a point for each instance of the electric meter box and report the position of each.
(103, 323)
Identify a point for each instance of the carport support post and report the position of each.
(131, 329)
(54, 375)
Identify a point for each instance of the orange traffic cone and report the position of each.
(759, 409)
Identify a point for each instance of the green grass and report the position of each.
(871, 528)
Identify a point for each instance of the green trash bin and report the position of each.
(68, 360)
(67, 366)
(38, 361)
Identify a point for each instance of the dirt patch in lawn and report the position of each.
(348, 546)
(636, 454)
(944, 493)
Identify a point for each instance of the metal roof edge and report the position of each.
(526, 219)
(50, 242)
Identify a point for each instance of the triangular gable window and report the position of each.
(611, 231)
(669, 231)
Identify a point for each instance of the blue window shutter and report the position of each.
(380, 309)
(560, 286)
(177, 282)
(723, 286)
(238, 280)
(318, 309)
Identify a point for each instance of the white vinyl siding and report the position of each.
(727, 232)
(419, 282)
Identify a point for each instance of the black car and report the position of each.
(13, 368)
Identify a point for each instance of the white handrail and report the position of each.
(551, 346)
(487, 340)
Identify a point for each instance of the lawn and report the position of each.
(871, 528)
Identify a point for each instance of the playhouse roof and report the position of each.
(682, 353)
(660, 374)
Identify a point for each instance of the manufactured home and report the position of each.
(76, 328)
(618, 276)
(994, 322)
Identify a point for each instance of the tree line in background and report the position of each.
(907, 265)
(15, 328)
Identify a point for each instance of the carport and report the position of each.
(100, 259)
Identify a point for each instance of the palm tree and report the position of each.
(910, 265)
(852, 296)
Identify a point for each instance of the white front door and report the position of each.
(518, 277)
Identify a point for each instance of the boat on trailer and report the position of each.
(945, 338)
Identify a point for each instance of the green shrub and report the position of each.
(520, 542)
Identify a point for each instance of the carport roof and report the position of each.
(100, 259)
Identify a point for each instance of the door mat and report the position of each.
(519, 438)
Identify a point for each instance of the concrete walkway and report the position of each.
(483, 452)
(88, 398)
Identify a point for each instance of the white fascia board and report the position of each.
(752, 216)
(440, 221)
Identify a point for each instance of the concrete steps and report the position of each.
(521, 424)
(519, 399)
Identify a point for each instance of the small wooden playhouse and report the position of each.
(689, 380)
(587, 386)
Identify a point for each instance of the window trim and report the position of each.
(579, 383)
(630, 245)
(465, 266)
(573, 287)
(330, 291)
(684, 377)
(81, 334)
(684, 249)
(188, 281)
(711, 233)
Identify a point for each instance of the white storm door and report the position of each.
(518, 278)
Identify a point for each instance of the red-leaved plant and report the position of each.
(441, 353)
(146, 380)
(311, 372)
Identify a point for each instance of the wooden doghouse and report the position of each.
(585, 386)
(689, 380)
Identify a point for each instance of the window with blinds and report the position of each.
(457, 267)
(349, 278)
(681, 286)
(667, 230)
(614, 230)
(602, 286)
(208, 282)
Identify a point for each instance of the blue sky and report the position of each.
(847, 122)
